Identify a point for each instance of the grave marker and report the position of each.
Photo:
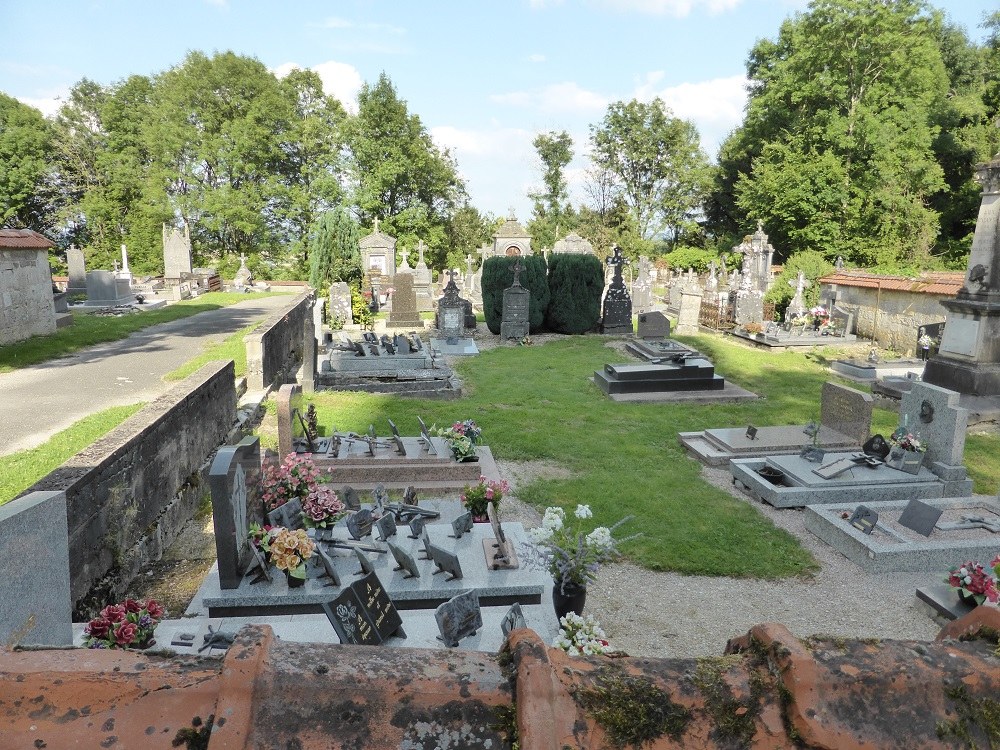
(234, 481)
(416, 527)
(404, 561)
(461, 525)
(386, 526)
(864, 519)
(363, 614)
(329, 568)
(513, 620)
(288, 515)
(446, 562)
(359, 524)
(920, 517)
(459, 617)
(499, 550)
(366, 564)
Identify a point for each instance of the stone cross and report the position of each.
(517, 271)
(420, 250)
(616, 260)
(800, 284)
(376, 225)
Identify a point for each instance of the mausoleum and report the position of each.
(26, 305)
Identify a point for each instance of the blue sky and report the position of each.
(484, 76)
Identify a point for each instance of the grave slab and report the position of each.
(893, 547)
(458, 347)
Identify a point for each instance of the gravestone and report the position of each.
(404, 561)
(352, 501)
(176, 252)
(416, 527)
(514, 320)
(846, 410)
(864, 519)
(403, 313)
(463, 524)
(77, 264)
(105, 289)
(653, 325)
(243, 277)
(36, 604)
(616, 312)
(876, 446)
(234, 481)
(690, 309)
(920, 517)
(933, 413)
(451, 313)
(359, 523)
(363, 614)
(459, 617)
(288, 515)
(642, 287)
(340, 303)
(445, 561)
(386, 526)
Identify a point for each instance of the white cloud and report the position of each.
(340, 80)
(715, 106)
(496, 142)
(536, 58)
(342, 23)
(558, 97)
(677, 8)
(48, 101)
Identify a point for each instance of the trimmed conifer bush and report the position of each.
(576, 282)
(498, 274)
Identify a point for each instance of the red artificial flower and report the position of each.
(154, 609)
(132, 606)
(125, 633)
(98, 628)
(114, 612)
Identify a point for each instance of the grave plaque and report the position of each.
(234, 479)
(513, 620)
(425, 437)
(351, 498)
(425, 541)
(288, 515)
(404, 561)
(416, 527)
(359, 524)
(846, 410)
(403, 313)
(366, 564)
(863, 519)
(386, 526)
(393, 428)
(446, 562)
(410, 496)
(459, 617)
(461, 525)
(876, 445)
(329, 569)
(363, 614)
(258, 563)
(751, 432)
(920, 517)
(499, 550)
(653, 325)
(401, 343)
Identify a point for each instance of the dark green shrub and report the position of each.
(498, 274)
(576, 283)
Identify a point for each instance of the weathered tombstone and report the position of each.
(690, 309)
(653, 325)
(459, 617)
(513, 620)
(514, 317)
(404, 561)
(864, 519)
(288, 515)
(446, 562)
(404, 302)
(363, 614)
(359, 524)
(920, 517)
(176, 252)
(340, 303)
(105, 288)
(401, 343)
(461, 525)
(386, 526)
(77, 264)
(234, 480)
(36, 604)
(616, 314)
(642, 287)
(243, 277)
(451, 313)
(846, 410)
(933, 413)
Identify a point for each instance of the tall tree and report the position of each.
(25, 153)
(552, 215)
(398, 173)
(334, 251)
(656, 159)
(840, 126)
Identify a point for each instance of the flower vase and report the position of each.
(569, 598)
(294, 582)
(480, 518)
(967, 598)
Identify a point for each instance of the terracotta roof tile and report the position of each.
(19, 239)
(945, 283)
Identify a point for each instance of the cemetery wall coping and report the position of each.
(129, 493)
(278, 343)
(817, 693)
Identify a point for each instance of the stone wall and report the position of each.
(26, 307)
(129, 494)
(896, 317)
(275, 348)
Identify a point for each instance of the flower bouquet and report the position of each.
(572, 555)
(295, 477)
(476, 497)
(126, 625)
(907, 451)
(321, 508)
(289, 551)
(462, 438)
(974, 582)
(581, 635)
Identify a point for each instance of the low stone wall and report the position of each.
(129, 494)
(276, 347)
(893, 315)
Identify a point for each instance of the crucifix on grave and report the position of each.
(617, 311)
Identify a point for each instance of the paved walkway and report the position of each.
(38, 401)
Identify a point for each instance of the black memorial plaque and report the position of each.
(459, 617)
(329, 568)
(351, 498)
(416, 526)
(876, 445)
(366, 564)
(751, 432)
(461, 525)
(386, 526)
(446, 562)
(288, 515)
(404, 561)
(359, 524)
(863, 519)
(920, 517)
(363, 614)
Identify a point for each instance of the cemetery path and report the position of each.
(38, 401)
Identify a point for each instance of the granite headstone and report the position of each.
(234, 481)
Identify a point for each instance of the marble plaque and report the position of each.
(960, 337)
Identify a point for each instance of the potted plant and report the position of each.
(462, 438)
(129, 624)
(288, 551)
(581, 635)
(573, 555)
(974, 583)
(753, 329)
(475, 498)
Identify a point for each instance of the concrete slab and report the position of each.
(729, 394)
(892, 547)
(461, 347)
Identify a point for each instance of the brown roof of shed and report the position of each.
(930, 282)
(24, 239)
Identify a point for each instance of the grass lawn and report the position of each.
(88, 329)
(23, 469)
(231, 348)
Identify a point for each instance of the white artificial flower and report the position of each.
(553, 518)
(583, 511)
(600, 538)
(540, 534)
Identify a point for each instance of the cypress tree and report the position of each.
(576, 282)
(498, 274)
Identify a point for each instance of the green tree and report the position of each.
(657, 163)
(813, 264)
(552, 216)
(334, 253)
(25, 153)
(466, 231)
(498, 274)
(576, 284)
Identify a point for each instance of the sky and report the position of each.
(485, 76)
